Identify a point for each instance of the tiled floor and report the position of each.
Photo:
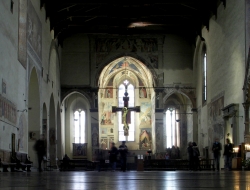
(131, 180)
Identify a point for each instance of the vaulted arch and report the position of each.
(126, 70)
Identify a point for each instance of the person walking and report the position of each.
(216, 148)
(228, 151)
(40, 149)
(123, 149)
(113, 156)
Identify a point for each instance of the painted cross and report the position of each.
(125, 110)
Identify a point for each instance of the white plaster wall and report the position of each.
(225, 42)
(14, 73)
(10, 69)
(75, 61)
(177, 60)
(50, 66)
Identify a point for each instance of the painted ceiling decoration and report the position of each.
(125, 66)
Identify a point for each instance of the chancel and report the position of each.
(126, 110)
(156, 74)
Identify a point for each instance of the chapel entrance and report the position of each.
(126, 75)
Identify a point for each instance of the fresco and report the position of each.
(158, 135)
(104, 143)
(145, 115)
(110, 83)
(8, 111)
(109, 93)
(107, 117)
(145, 139)
(215, 120)
(22, 143)
(34, 33)
(124, 63)
(142, 92)
(22, 39)
(110, 139)
(104, 131)
(79, 150)
(95, 140)
(144, 47)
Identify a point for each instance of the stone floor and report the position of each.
(131, 180)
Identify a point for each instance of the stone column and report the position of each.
(195, 125)
(246, 114)
(158, 101)
(93, 135)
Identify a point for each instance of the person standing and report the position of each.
(216, 148)
(113, 156)
(190, 156)
(123, 149)
(65, 164)
(40, 149)
(196, 155)
(228, 150)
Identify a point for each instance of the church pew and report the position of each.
(22, 161)
(5, 161)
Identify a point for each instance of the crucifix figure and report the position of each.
(125, 110)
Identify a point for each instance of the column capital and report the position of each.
(194, 109)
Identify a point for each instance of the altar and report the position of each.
(79, 150)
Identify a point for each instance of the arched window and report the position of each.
(172, 130)
(79, 126)
(131, 116)
(204, 75)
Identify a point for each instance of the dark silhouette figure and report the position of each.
(40, 148)
(216, 148)
(123, 149)
(113, 156)
(196, 155)
(228, 151)
(190, 155)
(66, 164)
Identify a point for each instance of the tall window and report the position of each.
(204, 83)
(79, 126)
(131, 116)
(171, 131)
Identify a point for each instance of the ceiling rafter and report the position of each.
(185, 17)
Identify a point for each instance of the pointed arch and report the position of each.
(136, 73)
(178, 119)
(116, 57)
(73, 101)
(34, 112)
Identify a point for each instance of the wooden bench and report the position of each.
(5, 161)
(22, 161)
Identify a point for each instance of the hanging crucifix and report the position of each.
(125, 111)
